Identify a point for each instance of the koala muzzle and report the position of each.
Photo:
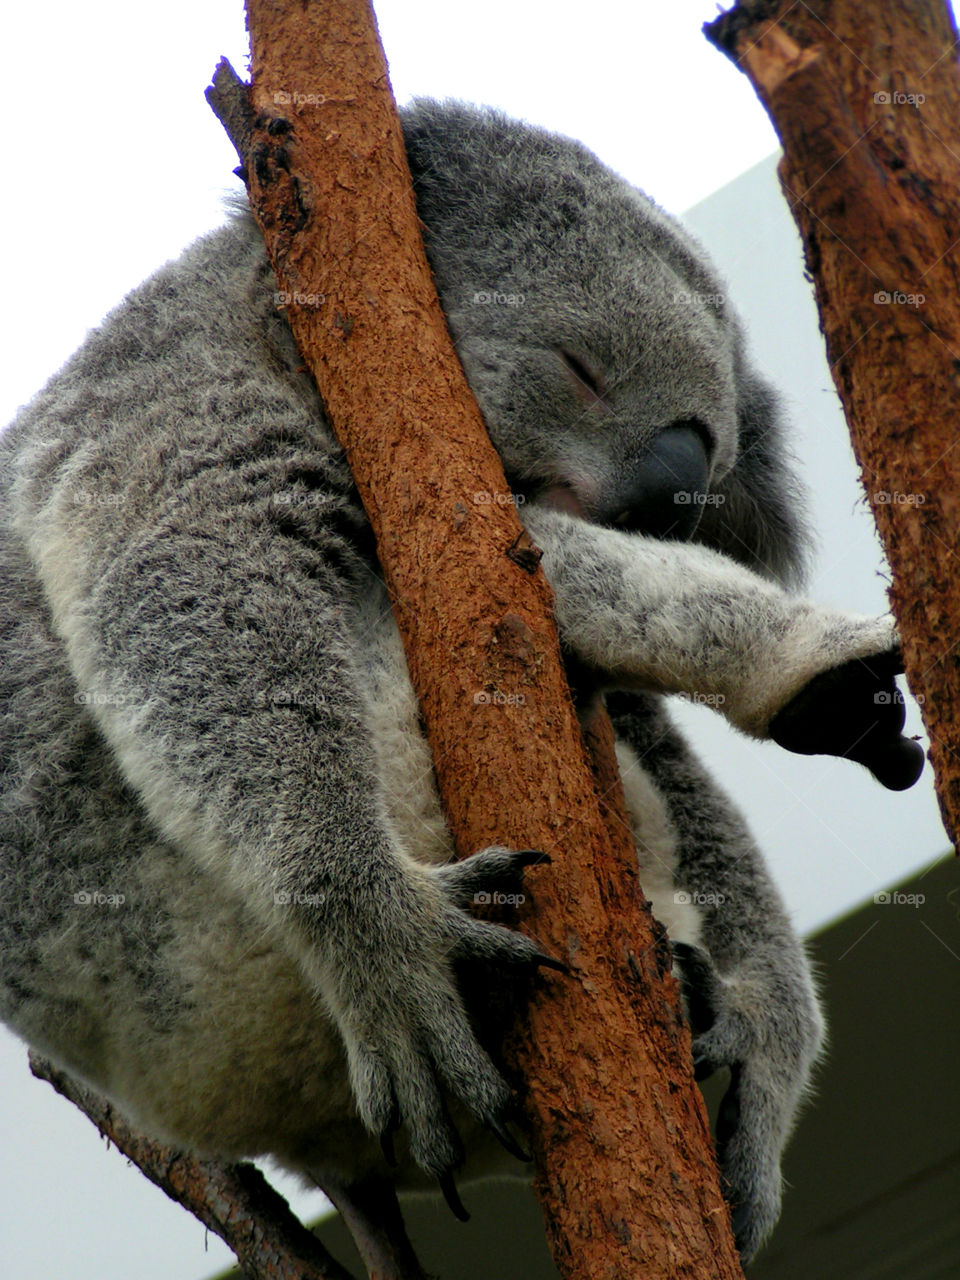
(665, 488)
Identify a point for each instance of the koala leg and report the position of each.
(673, 617)
(748, 986)
(230, 689)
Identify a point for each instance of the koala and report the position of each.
(229, 897)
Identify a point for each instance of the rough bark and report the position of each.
(625, 1165)
(866, 101)
(234, 1200)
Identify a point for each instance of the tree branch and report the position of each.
(866, 102)
(233, 1200)
(625, 1165)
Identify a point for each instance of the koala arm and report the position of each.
(749, 990)
(674, 617)
(213, 643)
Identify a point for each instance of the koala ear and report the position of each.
(761, 520)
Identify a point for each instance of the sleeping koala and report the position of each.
(230, 904)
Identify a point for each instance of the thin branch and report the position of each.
(234, 1200)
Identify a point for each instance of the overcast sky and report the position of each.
(114, 163)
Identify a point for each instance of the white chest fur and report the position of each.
(408, 789)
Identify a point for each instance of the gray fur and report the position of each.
(205, 706)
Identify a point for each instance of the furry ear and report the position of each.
(760, 521)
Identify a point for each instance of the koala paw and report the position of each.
(854, 710)
(403, 1021)
(756, 1113)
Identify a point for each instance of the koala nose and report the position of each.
(664, 493)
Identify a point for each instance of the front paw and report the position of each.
(854, 710)
(406, 1031)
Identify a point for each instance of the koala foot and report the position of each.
(403, 1021)
(854, 710)
(768, 1071)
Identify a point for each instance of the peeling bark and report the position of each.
(865, 99)
(625, 1165)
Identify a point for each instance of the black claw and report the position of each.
(543, 961)
(740, 1221)
(452, 1196)
(532, 858)
(386, 1146)
(506, 1138)
(386, 1135)
(703, 1066)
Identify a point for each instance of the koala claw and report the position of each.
(506, 1139)
(700, 986)
(399, 1071)
(704, 1066)
(492, 868)
(452, 1196)
(854, 710)
(386, 1136)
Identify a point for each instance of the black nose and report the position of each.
(667, 486)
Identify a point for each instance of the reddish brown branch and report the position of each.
(625, 1166)
(866, 101)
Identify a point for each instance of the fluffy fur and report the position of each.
(209, 735)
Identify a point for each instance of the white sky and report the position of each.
(115, 162)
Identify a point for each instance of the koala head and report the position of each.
(597, 339)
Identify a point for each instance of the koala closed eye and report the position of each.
(586, 383)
